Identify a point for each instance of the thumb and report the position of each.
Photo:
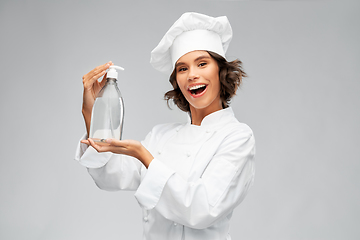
(103, 81)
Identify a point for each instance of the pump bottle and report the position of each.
(107, 115)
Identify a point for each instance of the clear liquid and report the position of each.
(107, 118)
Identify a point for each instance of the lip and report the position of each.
(198, 95)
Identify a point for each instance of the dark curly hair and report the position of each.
(230, 76)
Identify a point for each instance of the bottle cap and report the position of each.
(112, 73)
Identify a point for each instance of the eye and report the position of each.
(182, 69)
(202, 64)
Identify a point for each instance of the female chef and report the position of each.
(187, 177)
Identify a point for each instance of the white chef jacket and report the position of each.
(199, 174)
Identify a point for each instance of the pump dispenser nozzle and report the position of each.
(112, 73)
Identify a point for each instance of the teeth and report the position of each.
(196, 87)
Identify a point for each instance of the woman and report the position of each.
(188, 177)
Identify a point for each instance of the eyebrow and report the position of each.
(197, 59)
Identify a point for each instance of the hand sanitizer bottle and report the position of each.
(108, 111)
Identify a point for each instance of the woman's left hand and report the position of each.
(127, 147)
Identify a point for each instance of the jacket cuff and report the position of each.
(81, 148)
(151, 187)
(89, 157)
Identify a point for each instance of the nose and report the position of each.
(192, 74)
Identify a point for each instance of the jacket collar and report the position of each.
(215, 117)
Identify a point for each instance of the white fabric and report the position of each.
(184, 36)
(198, 39)
(198, 176)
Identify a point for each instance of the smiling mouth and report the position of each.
(197, 90)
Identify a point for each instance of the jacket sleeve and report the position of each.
(222, 186)
(110, 171)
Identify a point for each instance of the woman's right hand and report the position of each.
(91, 89)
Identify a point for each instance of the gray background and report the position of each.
(301, 99)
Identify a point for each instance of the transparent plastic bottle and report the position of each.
(107, 115)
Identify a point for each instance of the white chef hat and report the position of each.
(192, 31)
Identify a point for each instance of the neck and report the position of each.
(197, 115)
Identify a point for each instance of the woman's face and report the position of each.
(197, 75)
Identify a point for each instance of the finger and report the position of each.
(92, 142)
(102, 147)
(100, 68)
(94, 145)
(88, 81)
(103, 81)
(95, 74)
(96, 71)
(85, 141)
(107, 67)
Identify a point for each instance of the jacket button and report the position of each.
(146, 219)
(159, 152)
(175, 224)
(188, 154)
